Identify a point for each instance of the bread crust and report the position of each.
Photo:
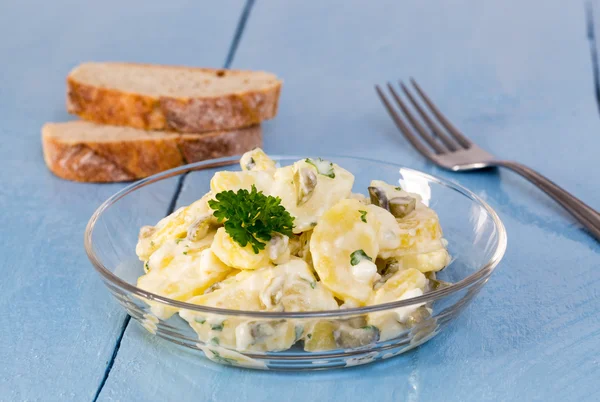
(187, 115)
(116, 161)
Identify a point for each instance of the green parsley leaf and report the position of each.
(215, 341)
(251, 217)
(363, 216)
(179, 240)
(357, 256)
(185, 253)
(398, 188)
(200, 320)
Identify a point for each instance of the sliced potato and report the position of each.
(175, 226)
(294, 288)
(401, 286)
(324, 192)
(256, 159)
(236, 256)
(187, 275)
(432, 261)
(339, 233)
(388, 231)
(307, 295)
(228, 180)
(419, 232)
(286, 287)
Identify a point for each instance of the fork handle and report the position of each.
(585, 214)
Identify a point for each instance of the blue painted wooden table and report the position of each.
(517, 76)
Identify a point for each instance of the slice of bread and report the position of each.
(154, 97)
(88, 152)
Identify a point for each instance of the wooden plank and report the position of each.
(58, 324)
(518, 79)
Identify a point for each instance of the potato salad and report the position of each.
(294, 239)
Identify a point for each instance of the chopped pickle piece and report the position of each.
(419, 315)
(200, 228)
(347, 337)
(402, 206)
(434, 283)
(344, 334)
(278, 248)
(305, 181)
(378, 197)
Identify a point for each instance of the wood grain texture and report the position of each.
(58, 324)
(517, 78)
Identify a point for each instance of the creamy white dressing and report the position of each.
(243, 337)
(324, 167)
(403, 313)
(278, 249)
(214, 320)
(166, 251)
(364, 271)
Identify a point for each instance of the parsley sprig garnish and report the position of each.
(251, 216)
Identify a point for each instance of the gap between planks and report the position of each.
(173, 203)
(590, 14)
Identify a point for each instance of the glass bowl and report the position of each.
(476, 241)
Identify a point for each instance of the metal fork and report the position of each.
(443, 144)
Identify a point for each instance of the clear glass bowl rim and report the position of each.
(480, 275)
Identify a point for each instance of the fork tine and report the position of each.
(400, 124)
(448, 142)
(464, 141)
(424, 134)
